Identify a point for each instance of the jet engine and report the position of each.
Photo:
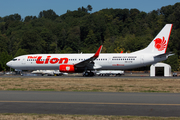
(66, 68)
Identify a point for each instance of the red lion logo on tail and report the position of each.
(160, 44)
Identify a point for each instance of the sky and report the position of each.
(34, 7)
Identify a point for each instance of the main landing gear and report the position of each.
(88, 74)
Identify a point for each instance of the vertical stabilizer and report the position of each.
(159, 43)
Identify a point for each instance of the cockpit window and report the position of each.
(14, 59)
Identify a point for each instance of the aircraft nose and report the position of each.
(9, 64)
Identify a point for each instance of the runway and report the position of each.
(91, 103)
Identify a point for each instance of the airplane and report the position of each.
(79, 63)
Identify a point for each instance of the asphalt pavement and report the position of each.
(91, 103)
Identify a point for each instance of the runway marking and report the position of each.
(100, 103)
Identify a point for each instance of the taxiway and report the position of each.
(92, 103)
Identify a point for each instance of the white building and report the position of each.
(160, 69)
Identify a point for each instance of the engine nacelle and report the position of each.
(67, 68)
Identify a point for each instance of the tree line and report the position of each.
(80, 30)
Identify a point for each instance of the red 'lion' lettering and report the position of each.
(47, 59)
(52, 61)
(38, 61)
(63, 59)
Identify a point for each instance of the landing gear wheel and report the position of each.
(86, 74)
(91, 74)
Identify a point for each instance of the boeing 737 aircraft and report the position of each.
(71, 63)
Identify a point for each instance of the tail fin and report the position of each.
(160, 42)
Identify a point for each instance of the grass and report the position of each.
(19, 89)
(23, 116)
(43, 90)
(121, 90)
(155, 91)
(91, 84)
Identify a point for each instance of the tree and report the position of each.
(4, 58)
(15, 17)
(3, 43)
(29, 18)
(90, 39)
(119, 50)
(89, 8)
(47, 37)
(50, 14)
(73, 39)
(84, 9)
(20, 52)
(174, 62)
(32, 42)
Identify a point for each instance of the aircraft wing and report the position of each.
(89, 62)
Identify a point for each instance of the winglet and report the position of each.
(98, 51)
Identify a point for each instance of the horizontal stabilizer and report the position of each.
(165, 54)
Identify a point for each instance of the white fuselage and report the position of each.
(114, 61)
